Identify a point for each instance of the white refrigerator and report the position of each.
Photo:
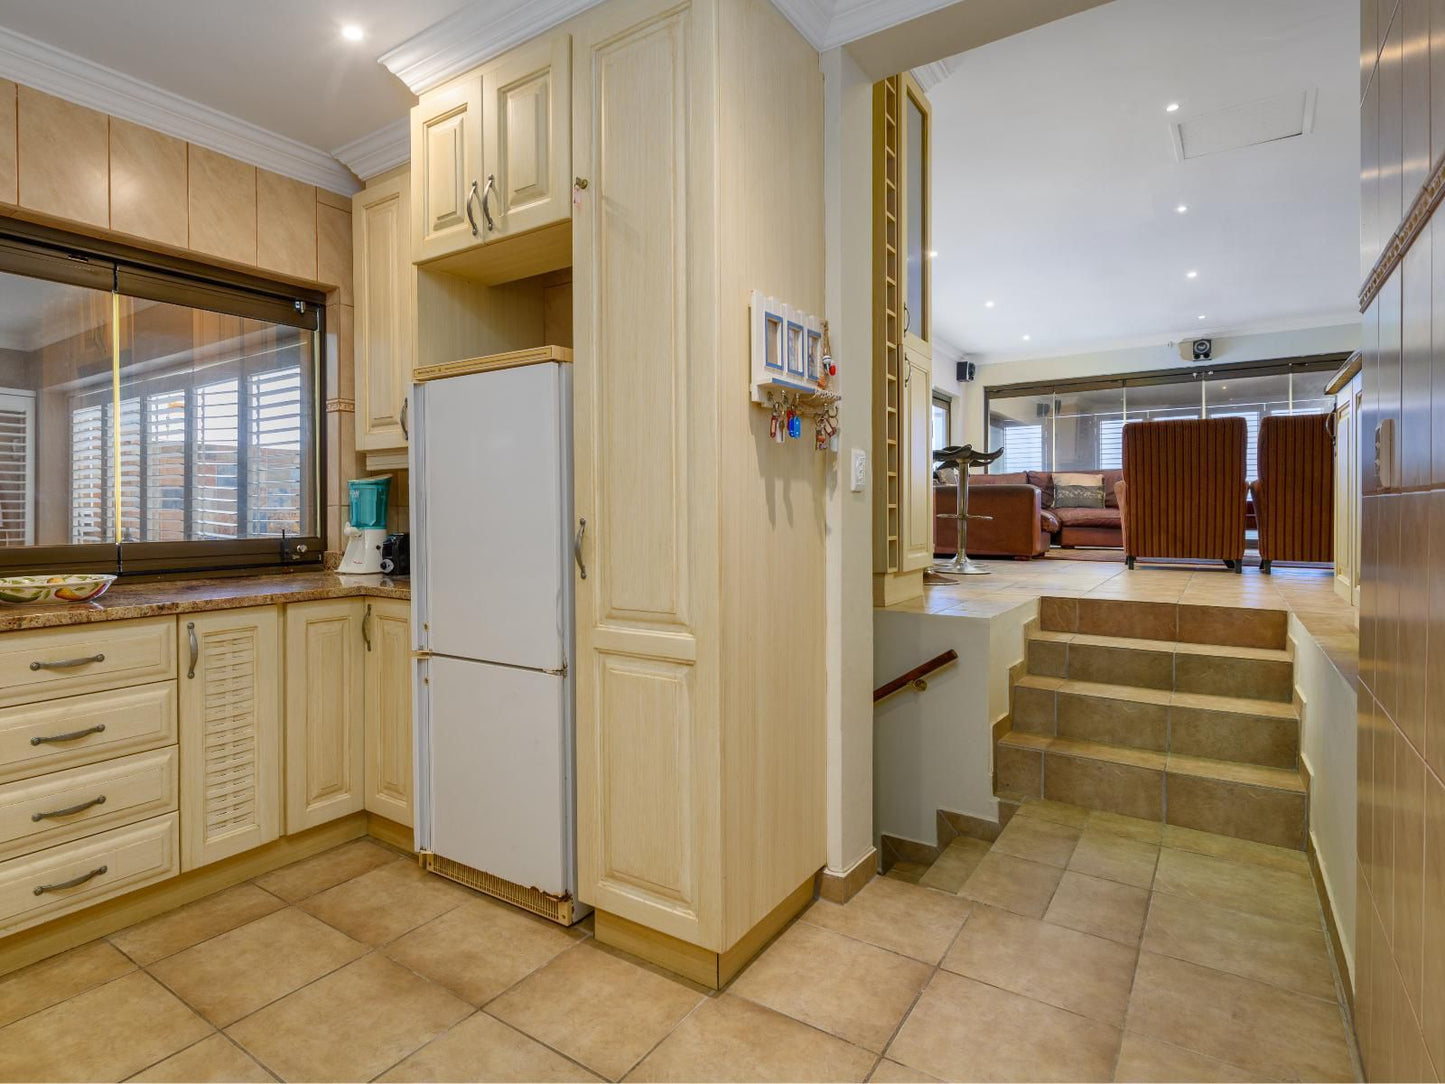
(491, 501)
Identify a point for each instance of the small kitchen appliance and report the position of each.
(366, 526)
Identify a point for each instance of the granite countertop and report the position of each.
(158, 597)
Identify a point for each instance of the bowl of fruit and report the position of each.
(21, 590)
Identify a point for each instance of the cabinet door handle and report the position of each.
(577, 547)
(74, 735)
(366, 628)
(486, 207)
(401, 417)
(67, 664)
(471, 221)
(40, 890)
(80, 807)
(195, 648)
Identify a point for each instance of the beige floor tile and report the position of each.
(907, 919)
(159, 937)
(958, 860)
(966, 1030)
(1038, 840)
(907, 872)
(106, 1033)
(1104, 908)
(1116, 824)
(1115, 858)
(1144, 1059)
(1240, 850)
(1239, 886)
(236, 973)
(380, 906)
(1281, 953)
(1076, 971)
(1014, 884)
(480, 948)
(350, 1025)
(596, 1008)
(51, 981)
(327, 869)
(892, 1072)
(214, 1058)
(1260, 1028)
(731, 1038)
(483, 1048)
(850, 989)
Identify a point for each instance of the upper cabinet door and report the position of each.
(916, 212)
(527, 136)
(385, 283)
(446, 166)
(917, 459)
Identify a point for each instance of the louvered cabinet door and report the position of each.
(387, 622)
(325, 762)
(230, 732)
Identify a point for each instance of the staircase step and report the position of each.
(1186, 622)
(1248, 801)
(1225, 728)
(1208, 669)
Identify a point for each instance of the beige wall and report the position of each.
(67, 166)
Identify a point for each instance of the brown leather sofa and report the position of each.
(1183, 492)
(1294, 495)
(1018, 528)
(1083, 526)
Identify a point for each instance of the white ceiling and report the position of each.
(1055, 179)
(279, 64)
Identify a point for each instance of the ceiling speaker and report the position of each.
(1203, 349)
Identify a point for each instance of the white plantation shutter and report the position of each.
(130, 470)
(165, 466)
(90, 459)
(1111, 444)
(1023, 448)
(273, 462)
(215, 460)
(17, 469)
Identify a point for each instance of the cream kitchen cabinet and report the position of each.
(386, 625)
(491, 155)
(230, 732)
(916, 458)
(385, 330)
(325, 762)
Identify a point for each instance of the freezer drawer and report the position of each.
(500, 767)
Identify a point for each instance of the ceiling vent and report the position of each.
(1265, 121)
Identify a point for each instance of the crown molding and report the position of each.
(381, 150)
(65, 75)
(811, 18)
(930, 75)
(827, 24)
(473, 35)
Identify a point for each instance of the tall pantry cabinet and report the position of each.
(700, 682)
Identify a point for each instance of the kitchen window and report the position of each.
(153, 420)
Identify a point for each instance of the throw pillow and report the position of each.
(1078, 490)
(946, 476)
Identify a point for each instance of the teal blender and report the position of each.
(366, 526)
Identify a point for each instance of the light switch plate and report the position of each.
(859, 477)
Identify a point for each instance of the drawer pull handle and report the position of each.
(195, 648)
(68, 810)
(67, 664)
(40, 890)
(74, 735)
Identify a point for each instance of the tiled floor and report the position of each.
(1308, 592)
(1080, 947)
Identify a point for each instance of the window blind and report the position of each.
(17, 469)
(1023, 448)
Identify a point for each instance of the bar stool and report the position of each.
(962, 457)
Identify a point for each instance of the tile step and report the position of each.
(1177, 647)
(1191, 622)
(1139, 694)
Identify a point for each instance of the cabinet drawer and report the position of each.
(104, 655)
(54, 882)
(76, 730)
(101, 796)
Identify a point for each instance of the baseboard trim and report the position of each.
(703, 966)
(1332, 927)
(392, 833)
(842, 887)
(68, 931)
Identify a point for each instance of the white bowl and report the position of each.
(20, 590)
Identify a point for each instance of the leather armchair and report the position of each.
(1015, 529)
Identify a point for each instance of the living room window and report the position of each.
(941, 419)
(151, 420)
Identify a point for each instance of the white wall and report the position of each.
(933, 750)
(848, 202)
(1327, 746)
(1227, 349)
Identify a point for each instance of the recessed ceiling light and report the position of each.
(1172, 107)
(1181, 209)
(1191, 274)
(1201, 316)
(352, 32)
(988, 304)
(1027, 338)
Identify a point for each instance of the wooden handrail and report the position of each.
(915, 677)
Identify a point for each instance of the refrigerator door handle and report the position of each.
(577, 547)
